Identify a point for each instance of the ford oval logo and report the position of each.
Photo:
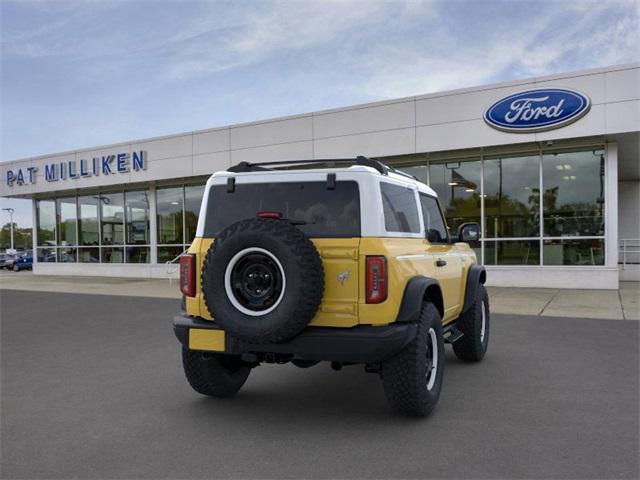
(537, 110)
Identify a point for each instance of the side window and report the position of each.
(400, 209)
(434, 226)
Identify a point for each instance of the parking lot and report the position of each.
(92, 387)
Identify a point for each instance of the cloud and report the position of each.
(102, 72)
(271, 29)
(557, 39)
(46, 33)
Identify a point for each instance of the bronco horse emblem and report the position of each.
(344, 276)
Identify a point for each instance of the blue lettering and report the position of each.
(10, 178)
(96, 169)
(123, 165)
(72, 169)
(83, 171)
(32, 171)
(63, 172)
(51, 173)
(106, 164)
(20, 178)
(139, 161)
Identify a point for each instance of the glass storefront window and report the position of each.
(573, 198)
(88, 220)
(167, 254)
(458, 187)
(192, 200)
(418, 171)
(137, 218)
(512, 197)
(67, 221)
(116, 227)
(574, 251)
(89, 255)
(66, 255)
(47, 255)
(112, 218)
(512, 252)
(169, 203)
(137, 254)
(112, 254)
(46, 218)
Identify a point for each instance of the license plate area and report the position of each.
(211, 340)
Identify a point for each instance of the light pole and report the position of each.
(10, 210)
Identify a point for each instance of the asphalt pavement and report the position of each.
(92, 387)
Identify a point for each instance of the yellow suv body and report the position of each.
(348, 265)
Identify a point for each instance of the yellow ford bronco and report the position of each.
(351, 265)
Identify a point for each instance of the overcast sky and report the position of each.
(81, 74)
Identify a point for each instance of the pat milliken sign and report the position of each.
(105, 165)
(537, 110)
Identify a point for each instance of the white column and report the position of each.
(34, 232)
(611, 205)
(153, 234)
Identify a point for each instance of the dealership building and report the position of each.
(549, 166)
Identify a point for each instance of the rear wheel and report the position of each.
(214, 374)
(474, 324)
(304, 363)
(412, 379)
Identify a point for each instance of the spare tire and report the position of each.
(262, 280)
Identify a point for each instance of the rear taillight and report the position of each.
(376, 288)
(188, 275)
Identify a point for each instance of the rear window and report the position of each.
(400, 209)
(325, 212)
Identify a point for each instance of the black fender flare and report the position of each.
(417, 289)
(476, 276)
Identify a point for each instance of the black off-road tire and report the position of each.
(215, 375)
(472, 346)
(404, 376)
(303, 272)
(304, 363)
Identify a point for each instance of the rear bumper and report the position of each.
(361, 344)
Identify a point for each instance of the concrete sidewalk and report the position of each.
(623, 304)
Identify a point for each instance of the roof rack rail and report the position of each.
(402, 173)
(360, 160)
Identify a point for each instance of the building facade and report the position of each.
(550, 167)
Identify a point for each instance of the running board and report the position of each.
(452, 334)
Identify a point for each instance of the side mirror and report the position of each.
(469, 232)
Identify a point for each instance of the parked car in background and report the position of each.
(4, 259)
(23, 261)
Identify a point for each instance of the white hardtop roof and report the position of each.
(314, 174)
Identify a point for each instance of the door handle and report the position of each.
(440, 263)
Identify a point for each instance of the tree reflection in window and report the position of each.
(573, 198)
(512, 197)
(458, 187)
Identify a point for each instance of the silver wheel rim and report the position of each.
(228, 288)
(483, 315)
(432, 370)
